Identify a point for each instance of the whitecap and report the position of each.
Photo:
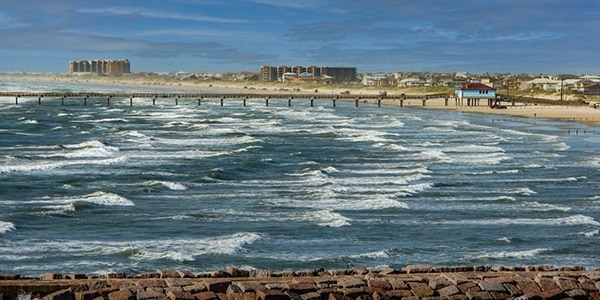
(90, 149)
(537, 206)
(415, 188)
(512, 254)
(371, 255)
(327, 218)
(144, 250)
(433, 154)
(107, 199)
(6, 227)
(573, 220)
(174, 186)
(58, 209)
(330, 169)
(589, 233)
(522, 191)
(561, 146)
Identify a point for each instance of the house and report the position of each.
(475, 91)
(373, 80)
(591, 89)
(546, 84)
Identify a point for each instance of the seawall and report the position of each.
(410, 282)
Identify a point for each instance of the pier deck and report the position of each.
(221, 96)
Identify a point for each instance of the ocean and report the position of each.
(97, 189)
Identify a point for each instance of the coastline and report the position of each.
(582, 114)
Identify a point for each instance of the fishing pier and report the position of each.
(222, 97)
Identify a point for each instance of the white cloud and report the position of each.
(8, 21)
(306, 4)
(146, 13)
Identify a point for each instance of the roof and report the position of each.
(475, 86)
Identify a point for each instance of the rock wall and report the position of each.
(411, 282)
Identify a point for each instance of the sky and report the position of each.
(475, 36)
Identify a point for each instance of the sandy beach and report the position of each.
(584, 114)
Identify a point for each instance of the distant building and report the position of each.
(546, 84)
(100, 66)
(304, 74)
(475, 91)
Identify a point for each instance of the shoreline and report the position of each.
(410, 282)
(582, 114)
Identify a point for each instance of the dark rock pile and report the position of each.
(411, 282)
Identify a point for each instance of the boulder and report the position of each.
(566, 283)
(51, 276)
(234, 272)
(149, 294)
(61, 295)
(420, 289)
(489, 286)
(217, 285)
(271, 295)
(121, 295)
(260, 273)
(180, 295)
(195, 288)
(178, 282)
(351, 283)
(87, 295)
(167, 273)
(185, 274)
(301, 287)
(97, 285)
(206, 296)
(379, 283)
(152, 282)
(448, 291)
(412, 269)
(249, 286)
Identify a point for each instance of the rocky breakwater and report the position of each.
(411, 282)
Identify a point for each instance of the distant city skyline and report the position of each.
(496, 36)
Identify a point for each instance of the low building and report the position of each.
(546, 84)
(473, 92)
(331, 74)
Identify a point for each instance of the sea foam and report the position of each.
(519, 254)
(327, 218)
(6, 227)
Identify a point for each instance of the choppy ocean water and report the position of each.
(96, 189)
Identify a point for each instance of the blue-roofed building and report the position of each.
(473, 92)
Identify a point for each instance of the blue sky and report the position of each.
(477, 36)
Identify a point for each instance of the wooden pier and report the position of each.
(199, 97)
